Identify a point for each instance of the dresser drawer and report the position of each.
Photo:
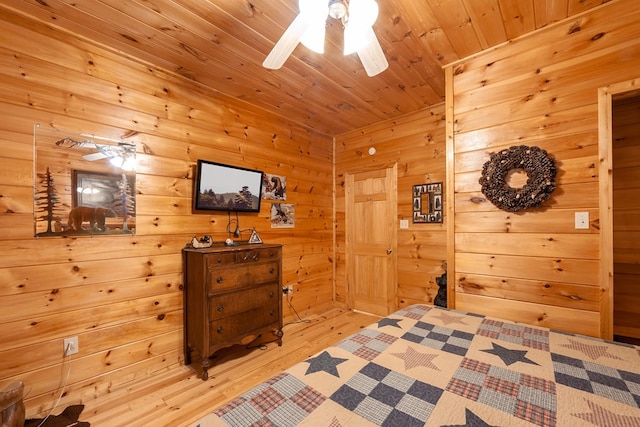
(230, 304)
(254, 255)
(230, 328)
(217, 260)
(241, 275)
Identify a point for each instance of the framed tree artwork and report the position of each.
(84, 184)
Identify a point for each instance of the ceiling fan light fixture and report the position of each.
(116, 161)
(363, 12)
(126, 163)
(309, 27)
(312, 7)
(313, 37)
(355, 38)
(129, 164)
(337, 9)
(314, 14)
(362, 16)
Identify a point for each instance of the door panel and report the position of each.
(371, 206)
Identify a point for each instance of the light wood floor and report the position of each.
(179, 397)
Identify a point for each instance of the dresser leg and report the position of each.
(205, 369)
(279, 334)
(187, 354)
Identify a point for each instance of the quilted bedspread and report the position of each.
(425, 365)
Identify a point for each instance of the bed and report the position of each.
(425, 365)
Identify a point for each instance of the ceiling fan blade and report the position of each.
(107, 151)
(372, 55)
(95, 156)
(287, 43)
(71, 143)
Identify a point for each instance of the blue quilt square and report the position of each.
(426, 392)
(608, 381)
(462, 334)
(374, 371)
(386, 394)
(455, 349)
(438, 337)
(394, 400)
(574, 382)
(401, 419)
(413, 337)
(348, 397)
(631, 377)
(565, 360)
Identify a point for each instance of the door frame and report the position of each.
(355, 171)
(605, 173)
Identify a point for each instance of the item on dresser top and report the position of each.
(230, 242)
(255, 237)
(204, 242)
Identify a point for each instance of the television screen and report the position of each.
(220, 187)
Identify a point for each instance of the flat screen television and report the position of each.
(220, 187)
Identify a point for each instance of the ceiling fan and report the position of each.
(309, 27)
(117, 154)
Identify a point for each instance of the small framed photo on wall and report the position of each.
(427, 203)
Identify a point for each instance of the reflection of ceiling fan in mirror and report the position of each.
(357, 17)
(121, 155)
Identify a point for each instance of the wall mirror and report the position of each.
(427, 203)
(84, 184)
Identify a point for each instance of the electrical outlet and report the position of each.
(70, 346)
(582, 220)
(288, 289)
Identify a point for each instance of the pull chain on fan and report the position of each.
(308, 28)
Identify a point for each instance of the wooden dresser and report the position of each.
(232, 295)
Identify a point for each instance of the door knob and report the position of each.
(389, 250)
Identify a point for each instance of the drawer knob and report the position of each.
(255, 256)
(219, 279)
(271, 294)
(271, 270)
(219, 260)
(272, 312)
(220, 308)
(219, 329)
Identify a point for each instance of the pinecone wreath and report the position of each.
(534, 161)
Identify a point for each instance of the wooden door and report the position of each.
(626, 216)
(617, 251)
(371, 205)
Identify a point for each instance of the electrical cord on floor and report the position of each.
(300, 320)
(63, 385)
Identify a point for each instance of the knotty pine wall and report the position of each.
(626, 216)
(541, 90)
(416, 142)
(122, 295)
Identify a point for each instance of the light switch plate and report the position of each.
(582, 220)
(404, 223)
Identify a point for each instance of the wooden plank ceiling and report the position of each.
(222, 43)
